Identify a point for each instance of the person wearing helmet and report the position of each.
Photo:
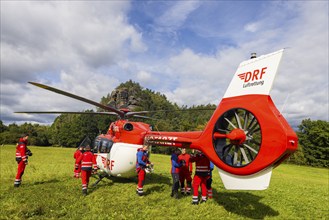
(202, 171)
(88, 164)
(185, 172)
(142, 162)
(22, 153)
(77, 169)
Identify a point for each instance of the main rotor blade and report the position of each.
(155, 111)
(61, 112)
(137, 113)
(109, 108)
(145, 117)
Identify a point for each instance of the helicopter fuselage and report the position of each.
(115, 151)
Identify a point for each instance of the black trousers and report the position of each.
(175, 180)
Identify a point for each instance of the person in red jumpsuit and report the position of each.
(77, 169)
(142, 162)
(202, 171)
(88, 164)
(185, 172)
(22, 153)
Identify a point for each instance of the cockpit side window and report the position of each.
(97, 145)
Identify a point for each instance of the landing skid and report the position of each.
(100, 177)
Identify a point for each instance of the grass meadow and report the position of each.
(48, 191)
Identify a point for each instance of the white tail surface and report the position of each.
(255, 76)
(257, 181)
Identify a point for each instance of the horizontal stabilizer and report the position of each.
(257, 181)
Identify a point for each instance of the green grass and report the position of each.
(48, 191)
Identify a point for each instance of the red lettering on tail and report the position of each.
(257, 74)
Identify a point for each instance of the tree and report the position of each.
(314, 141)
(2, 127)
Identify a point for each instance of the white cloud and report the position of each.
(143, 76)
(89, 48)
(252, 27)
(68, 45)
(176, 15)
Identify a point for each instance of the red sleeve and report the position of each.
(78, 161)
(22, 150)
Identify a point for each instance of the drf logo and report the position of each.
(108, 163)
(257, 74)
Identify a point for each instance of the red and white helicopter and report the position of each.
(245, 138)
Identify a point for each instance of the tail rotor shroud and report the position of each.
(237, 137)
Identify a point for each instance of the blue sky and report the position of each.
(187, 50)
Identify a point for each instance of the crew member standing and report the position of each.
(175, 165)
(22, 153)
(88, 164)
(202, 171)
(77, 154)
(185, 172)
(142, 162)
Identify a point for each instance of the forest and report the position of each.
(68, 130)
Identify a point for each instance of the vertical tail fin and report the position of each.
(255, 76)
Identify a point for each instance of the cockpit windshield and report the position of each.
(102, 145)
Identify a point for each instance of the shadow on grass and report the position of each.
(44, 182)
(156, 183)
(153, 182)
(150, 190)
(158, 179)
(244, 204)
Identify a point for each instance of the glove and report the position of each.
(76, 167)
(26, 162)
(28, 152)
(94, 171)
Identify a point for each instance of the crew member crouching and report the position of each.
(88, 164)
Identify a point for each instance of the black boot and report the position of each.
(175, 194)
(17, 183)
(84, 192)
